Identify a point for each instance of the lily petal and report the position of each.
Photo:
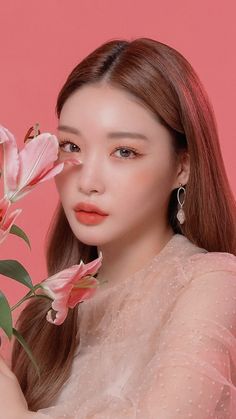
(37, 156)
(37, 162)
(60, 317)
(80, 294)
(88, 268)
(59, 281)
(10, 159)
(8, 221)
(49, 173)
(64, 288)
(4, 205)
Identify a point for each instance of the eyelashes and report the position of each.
(63, 143)
(130, 150)
(73, 148)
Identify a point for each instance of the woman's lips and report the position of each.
(88, 207)
(89, 218)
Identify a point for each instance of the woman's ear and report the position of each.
(183, 169)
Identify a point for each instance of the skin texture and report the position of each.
(133, 190)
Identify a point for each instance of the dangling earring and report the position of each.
(181, 214)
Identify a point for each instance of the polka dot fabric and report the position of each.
(160, 344)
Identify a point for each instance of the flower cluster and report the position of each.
(22, 171)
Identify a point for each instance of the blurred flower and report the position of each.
(34, 164)
(70, 287)
(7, 218)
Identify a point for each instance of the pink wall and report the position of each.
(42, 41)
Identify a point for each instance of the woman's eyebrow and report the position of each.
(116, 134)
(126, 134)
(66, 128)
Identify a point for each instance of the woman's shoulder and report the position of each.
(203, 263)
(195, 261)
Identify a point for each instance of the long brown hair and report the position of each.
(163, 81)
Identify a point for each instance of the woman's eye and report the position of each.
(68, 146)
(125, 151)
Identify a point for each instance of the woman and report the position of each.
(158, 339)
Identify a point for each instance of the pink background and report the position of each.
(41, 41)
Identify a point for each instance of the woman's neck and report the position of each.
(124, 259)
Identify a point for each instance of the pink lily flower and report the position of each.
(34, 164)
(6, 219)
(70, 287)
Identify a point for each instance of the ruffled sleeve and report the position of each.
(192, 374)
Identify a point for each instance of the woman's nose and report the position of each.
(90, 176)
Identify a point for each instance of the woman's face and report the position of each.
(129, 166)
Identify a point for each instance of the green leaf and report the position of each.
(23, 343)
(5, 316)
(13, 269)
(20, 233)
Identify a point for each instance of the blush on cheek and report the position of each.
(144, 178)
(150, 179)
(154, 185)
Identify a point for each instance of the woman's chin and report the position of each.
(89, 238)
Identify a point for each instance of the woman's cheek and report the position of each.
(147, 179)
(144, 178)
(154, 184)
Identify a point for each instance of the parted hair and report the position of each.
(165, 83)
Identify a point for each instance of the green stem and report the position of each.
(26, 297)
(30, 294)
